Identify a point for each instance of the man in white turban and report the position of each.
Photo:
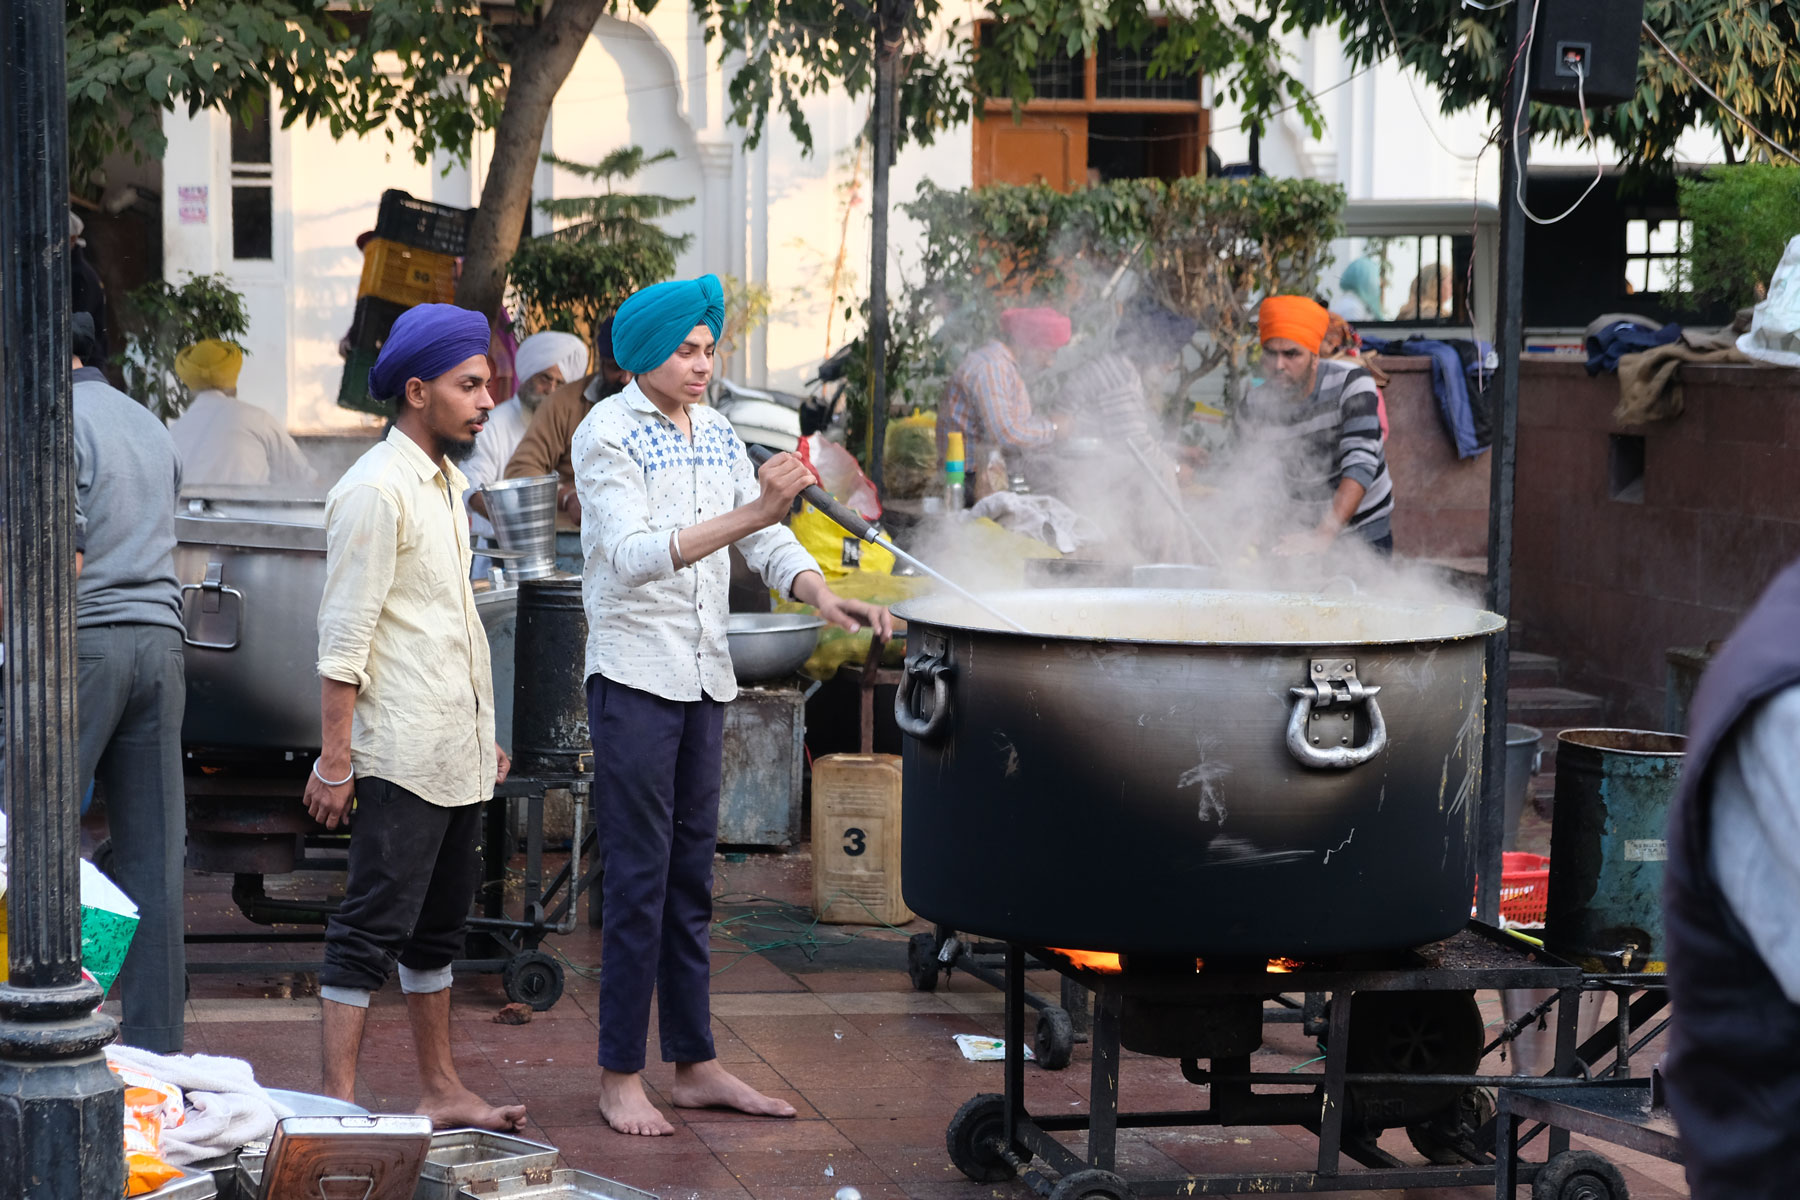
(543, 363)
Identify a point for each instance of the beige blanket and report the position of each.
(1650, 383)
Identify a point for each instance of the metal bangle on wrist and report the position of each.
(337, 782)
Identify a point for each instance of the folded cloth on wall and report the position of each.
(226, 1106)
(1045, 518)
(1629, 335)
(1649, 383)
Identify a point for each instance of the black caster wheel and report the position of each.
(1579, 1175)
(533, 978)
(1054, 1044)
(922, 965)
(974, 1139)
(1092, 1185)
(1441, 1137)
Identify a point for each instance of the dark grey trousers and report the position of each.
(133, 690)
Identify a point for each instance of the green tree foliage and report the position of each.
(1743, 217)
(795, 50)
(576, 277)
(161, 320)
(1748, 51)
(130, 61)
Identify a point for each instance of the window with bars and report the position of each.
(1653, 242)
(1094, 118)
(252, 189)
(1062, 78)
(1124, 73)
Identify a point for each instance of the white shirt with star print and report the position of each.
(639, 479)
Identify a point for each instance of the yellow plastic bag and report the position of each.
(837, 551)
(150, 1106)
(839, 646)
(910, 457)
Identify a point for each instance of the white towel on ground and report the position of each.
(226, 1106)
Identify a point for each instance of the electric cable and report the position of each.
(1519, 128)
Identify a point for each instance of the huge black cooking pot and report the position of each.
(1176, 772)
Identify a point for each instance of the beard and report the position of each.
(458, 452)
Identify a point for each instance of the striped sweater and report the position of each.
(1332, 435)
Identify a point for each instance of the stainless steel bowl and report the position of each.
(307, 1104)
(770, 645)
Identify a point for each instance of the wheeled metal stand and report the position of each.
(1374, 1072)
(1060, 1027)
(498, 942)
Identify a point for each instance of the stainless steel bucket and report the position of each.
(523, 512)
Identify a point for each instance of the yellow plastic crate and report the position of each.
(406, 274)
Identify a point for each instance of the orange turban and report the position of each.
(1037, 328)
(1295, 318)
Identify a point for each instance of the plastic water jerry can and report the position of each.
(856, 840)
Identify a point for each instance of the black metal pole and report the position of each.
(61, 1110)
(887, 81)
(1515, 149)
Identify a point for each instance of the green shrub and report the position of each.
(574, 278)
(161, 320)
(1743, 216)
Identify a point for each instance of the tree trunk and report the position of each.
(540, 65)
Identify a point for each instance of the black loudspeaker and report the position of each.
(1597, 39)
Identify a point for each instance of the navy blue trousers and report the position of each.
(656, 808)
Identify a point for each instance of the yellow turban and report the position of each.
(209, 364)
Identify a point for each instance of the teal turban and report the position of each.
(652, 324)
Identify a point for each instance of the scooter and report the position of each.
(777, 419)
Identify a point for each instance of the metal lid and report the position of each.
(249, 534)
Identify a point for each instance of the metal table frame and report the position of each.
(1023, 1136)
(1616, 1111)
(495, 938)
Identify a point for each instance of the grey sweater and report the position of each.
(127, 475)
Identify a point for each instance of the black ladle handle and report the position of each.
(822, 500)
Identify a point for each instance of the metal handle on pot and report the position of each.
(929, 724)
(1334, 685)
(212, 589)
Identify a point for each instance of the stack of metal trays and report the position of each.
(382, 1156)
(193, 1184)
(473, 1162)
(562, 1184)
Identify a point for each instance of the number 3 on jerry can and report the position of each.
(856, 840)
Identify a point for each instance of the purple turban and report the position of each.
(652, 323)
(426, 341)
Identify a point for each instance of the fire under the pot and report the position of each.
(1103, 962)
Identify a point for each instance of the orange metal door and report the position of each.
(1049, 148)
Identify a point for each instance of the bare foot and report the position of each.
(710, 1085)
(627, 1109)
(463, 1109)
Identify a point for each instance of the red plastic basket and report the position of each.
(1524, 887)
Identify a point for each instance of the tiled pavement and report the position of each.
(868, 1063)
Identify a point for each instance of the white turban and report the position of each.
(541, 351)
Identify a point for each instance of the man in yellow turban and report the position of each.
(224, 440)
(1320, 418)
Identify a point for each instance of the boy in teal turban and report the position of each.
(665, 487)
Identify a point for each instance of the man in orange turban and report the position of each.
(1320, 418)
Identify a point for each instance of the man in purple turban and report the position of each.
(407, 708)
(665, 487)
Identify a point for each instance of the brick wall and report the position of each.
(1440, 500)
(1609, 582)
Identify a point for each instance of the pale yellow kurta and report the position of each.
(398, 620)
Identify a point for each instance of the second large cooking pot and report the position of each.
(1181, 772)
